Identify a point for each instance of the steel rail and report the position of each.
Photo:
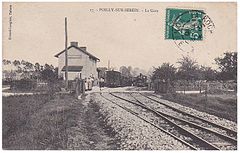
(231, 132)
(232, 140)
(159, 128)
(207, 145)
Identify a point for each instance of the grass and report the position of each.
(218, 105)
(36, 122)
(59, 122)
(101, 134)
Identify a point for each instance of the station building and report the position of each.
(81, 64)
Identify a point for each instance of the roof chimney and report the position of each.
(74, 43)
(83, 48)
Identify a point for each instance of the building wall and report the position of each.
(71, 75)
(78, 58)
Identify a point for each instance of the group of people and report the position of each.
(89, 82)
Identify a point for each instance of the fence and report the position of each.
(160, 86)
(77, 86)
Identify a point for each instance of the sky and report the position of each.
(134, 39)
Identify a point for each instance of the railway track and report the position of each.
(166, 125)
(151, 123)
(195, 119)
(215, 140)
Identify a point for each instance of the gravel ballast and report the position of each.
(133, 132)
(166, 110)
(221, 121)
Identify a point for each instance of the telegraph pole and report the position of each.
(66, 55)
(108, 65)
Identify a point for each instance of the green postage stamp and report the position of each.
(184, 24)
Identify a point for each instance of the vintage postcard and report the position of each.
(119, 76)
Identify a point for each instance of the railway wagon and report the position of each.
(113, 79)
(126, 81)
(140, 80)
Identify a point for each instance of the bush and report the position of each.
(23, 84)
(7, 82)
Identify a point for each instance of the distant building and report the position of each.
(81, 64)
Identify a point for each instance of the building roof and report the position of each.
(78, 48)
(73, 68)
(102, 69)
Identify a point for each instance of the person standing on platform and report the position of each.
(89, 80)
(86, 84)
(101, 83)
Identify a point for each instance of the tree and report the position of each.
(6, 62)
(125, 71)
(129, 69)
(28, 66)
(19, 69)
(37, 67)
(208, 73)
(135, 71)
(9, 62)
(188, 69)
(56, 71)
(164, 72)
(227, 66)
(48, 75)
(23, 62)
(16, 63)
(41, 68)
(47, 66)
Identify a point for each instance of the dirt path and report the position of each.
(90, 133)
